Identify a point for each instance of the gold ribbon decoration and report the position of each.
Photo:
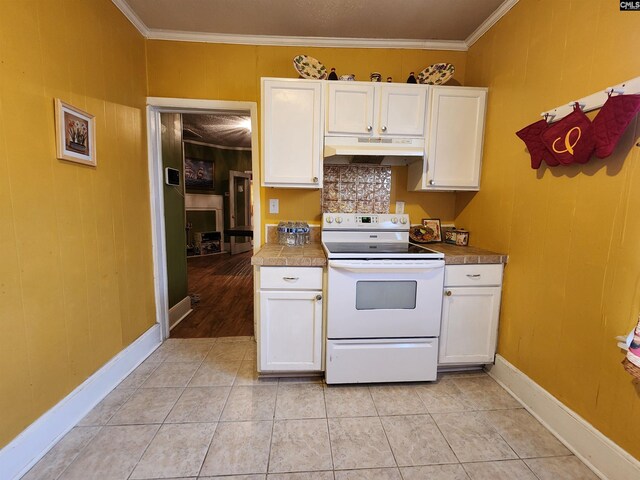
(567, 141)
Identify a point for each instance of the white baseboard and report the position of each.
(179, 311)
(37, 439)
(602, 455)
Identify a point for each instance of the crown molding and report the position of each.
(332, 42)
(327, 42)
(500, 12)
(124, 7)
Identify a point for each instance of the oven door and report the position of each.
(384, 298)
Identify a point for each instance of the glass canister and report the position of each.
(282, 230)
(290, 237)
(307, 233)
(299, 234)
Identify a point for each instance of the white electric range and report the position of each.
(384, 300)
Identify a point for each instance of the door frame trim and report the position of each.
(155, 106)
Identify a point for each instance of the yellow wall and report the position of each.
(76, 280)
(76, 283)
(233, 72)
(573, 278)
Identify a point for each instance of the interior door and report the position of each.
(240, 209)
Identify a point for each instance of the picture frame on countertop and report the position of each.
(449, 235)
(75, 134)
(199, 174)
(433, 224)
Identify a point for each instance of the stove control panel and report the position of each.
(365, 221)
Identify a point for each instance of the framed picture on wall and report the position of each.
(75, 134)
(198, 174)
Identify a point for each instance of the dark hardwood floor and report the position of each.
(225, 285)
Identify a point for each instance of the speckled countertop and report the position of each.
(273, 254)
(457, 255)
(312, 255)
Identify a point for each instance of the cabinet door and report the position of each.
(469, 325)
(402, 109)
(456, 132)
(350, 109)
(292, 136)
(290, 331)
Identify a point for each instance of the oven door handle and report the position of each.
(377, 267)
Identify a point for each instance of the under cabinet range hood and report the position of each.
(373, 150)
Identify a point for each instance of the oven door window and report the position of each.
(386, 295)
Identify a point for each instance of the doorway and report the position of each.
(241, 212)
(218, 194)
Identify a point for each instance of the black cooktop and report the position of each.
(379, 249)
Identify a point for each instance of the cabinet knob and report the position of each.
(369, 128)
(315, 179)
(431, 182)
(318, 297)
(448, 293)
(291, 279)
(384, 128)
(473, 275)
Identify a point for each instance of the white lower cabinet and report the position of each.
(470, 314)
(290, 325)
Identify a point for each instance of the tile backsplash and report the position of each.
(356, 188)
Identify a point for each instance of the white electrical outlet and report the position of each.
(274, 205)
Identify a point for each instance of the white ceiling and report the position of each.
(366, 23)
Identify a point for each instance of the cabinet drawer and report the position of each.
(291, 278)
(381, 360)
(473, 275)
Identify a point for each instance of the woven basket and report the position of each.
(631, 368)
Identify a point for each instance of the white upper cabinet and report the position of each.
(376, 109)
(351, 107)
(455, 135)
(292, 133)
(450, 119)
(402, 109)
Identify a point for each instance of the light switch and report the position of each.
(274, 205)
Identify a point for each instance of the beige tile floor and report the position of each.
(196, 409)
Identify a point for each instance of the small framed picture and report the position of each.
(199, 174)
(75, 134)
(432, 225)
